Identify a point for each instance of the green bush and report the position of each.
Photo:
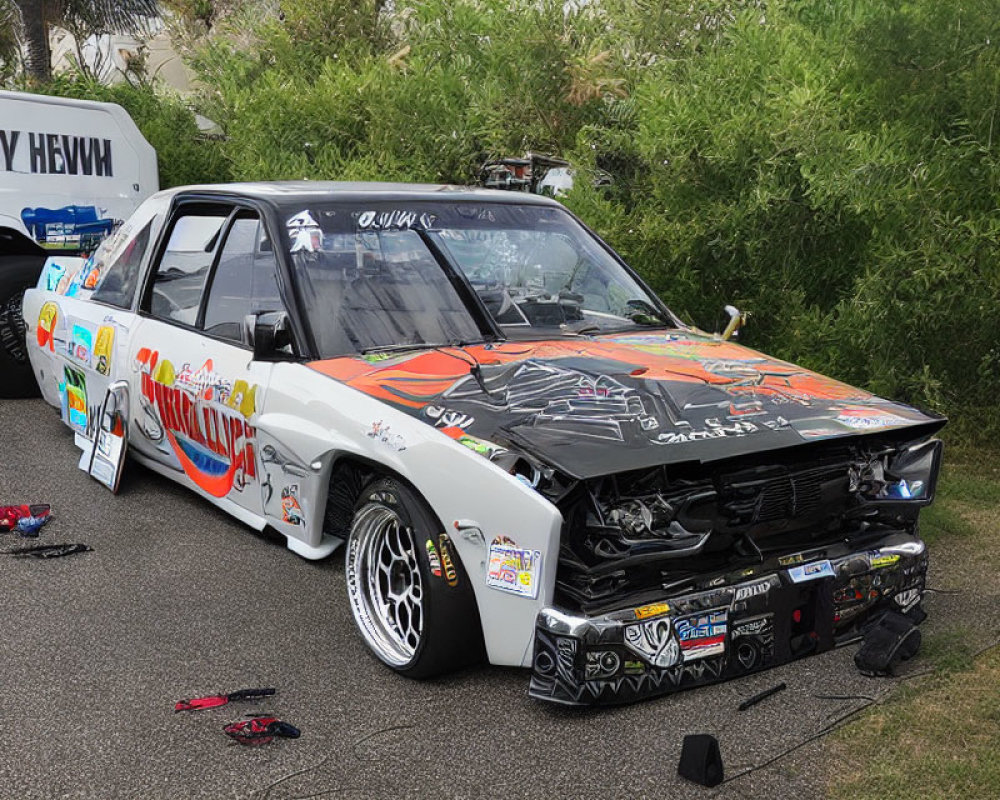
(184, 156)
(829, 167)
(832, 168)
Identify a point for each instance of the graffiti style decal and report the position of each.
(93, 275)
(45, 332)
(811, 572)
(703, 635)
(514, 570)
(871, 583)
(447, 418)
(749, 590)
(74, 398)
(862, 418)
(54, 273)
(291, 511)
(880, 560)
(210, 434)
(908, 599)
(601, 664)
(75, 283)
(305, 234)
(102, 349)
(654, 641)
(278, 468)
(652, 610)
(753, 627)
(484, 448)
(397, 219)
(626, 400)
(447, 560)
(81, 344)
(381, 432)
(753, 642)
(713, 430)
(432, 558)
(706, 642)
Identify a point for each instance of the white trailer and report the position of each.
(70, 172)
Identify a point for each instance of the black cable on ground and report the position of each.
(846, 697)
(296, 773)
(839, 722)
(818, 735)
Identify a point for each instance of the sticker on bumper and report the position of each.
(811, 572)
(703, 635)
(653, 640)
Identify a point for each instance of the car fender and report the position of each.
(315, 421)
(41, 355)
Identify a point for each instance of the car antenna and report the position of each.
(475, 367)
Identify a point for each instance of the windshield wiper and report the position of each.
(395, 348)
(647, 321)
(645, 314)
(583, 330)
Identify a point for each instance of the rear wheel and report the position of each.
(17, 275)
(410, 596)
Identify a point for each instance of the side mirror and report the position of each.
(269, 334)
(737, 319)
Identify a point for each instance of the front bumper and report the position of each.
(728, 625)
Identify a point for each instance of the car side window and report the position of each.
(118, 283)
(180, 276)
(245, 280)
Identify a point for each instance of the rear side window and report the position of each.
(180, 277)
(118, 284)
(244, 281)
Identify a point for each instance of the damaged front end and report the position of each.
(684, 574)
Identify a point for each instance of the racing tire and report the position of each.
(410, 596)
(17, 274)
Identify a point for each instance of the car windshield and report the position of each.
(540, 272)
(382, 275)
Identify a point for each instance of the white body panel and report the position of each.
(458, 484)
(57, 153)
(86, 339)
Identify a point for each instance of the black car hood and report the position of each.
(598, 406)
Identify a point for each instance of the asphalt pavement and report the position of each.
(179, 600)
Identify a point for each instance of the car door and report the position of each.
(196, 388)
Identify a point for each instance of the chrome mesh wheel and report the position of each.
(384, 583)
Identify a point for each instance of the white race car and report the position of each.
(527, 455)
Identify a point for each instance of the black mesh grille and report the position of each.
(781, 497)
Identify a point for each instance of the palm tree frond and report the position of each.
(107, 16)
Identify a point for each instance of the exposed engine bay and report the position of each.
(690, 573)
(639, 533)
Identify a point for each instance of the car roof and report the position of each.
(286, 193)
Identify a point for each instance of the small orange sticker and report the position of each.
(652, 610)
(92, 278)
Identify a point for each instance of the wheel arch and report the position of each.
(15, 242)
(349, 474)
